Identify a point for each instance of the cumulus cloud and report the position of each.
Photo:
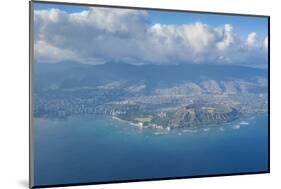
(228, 37)
(178, 42)
(252, 39)
(99, 35)
(47, 52)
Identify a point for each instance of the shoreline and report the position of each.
(158, 127)
(122, 120)
(236, 124)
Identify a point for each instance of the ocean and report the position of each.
(88, 148)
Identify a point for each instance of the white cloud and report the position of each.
(252, 39)
(49, 53)
(184, 42)
(197, 36)
(228, 37)
(100, 35)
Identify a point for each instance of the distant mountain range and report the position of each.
(65, 75)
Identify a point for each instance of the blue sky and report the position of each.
(67, 8)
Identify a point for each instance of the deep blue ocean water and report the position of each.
(89, 148)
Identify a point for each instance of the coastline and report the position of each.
(122, 120)
(236, 124)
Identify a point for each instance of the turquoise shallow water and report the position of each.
(95, 149)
